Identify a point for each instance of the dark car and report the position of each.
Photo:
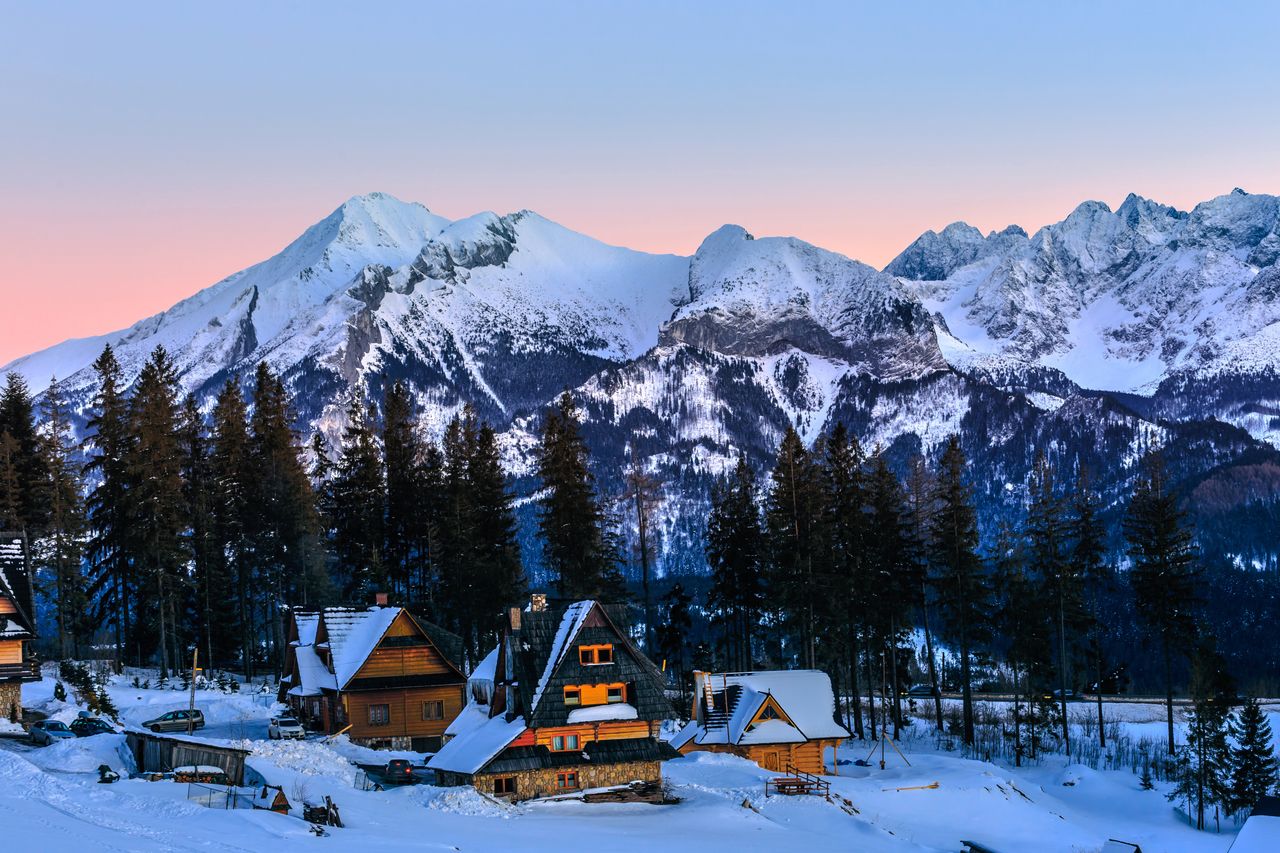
(176, 721)
(90, 726)
(399, 768)
(918, 690)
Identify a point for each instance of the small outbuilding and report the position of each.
(780, 719)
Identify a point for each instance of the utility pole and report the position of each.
(191, 707)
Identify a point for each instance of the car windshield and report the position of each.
(288, 721)
(56, 726)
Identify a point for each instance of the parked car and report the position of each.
(90, 726)
(48, 731)
(283, 728)
(399, 768)
(176, 721)
(1057, 694)
(918, 690)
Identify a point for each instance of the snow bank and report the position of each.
(85, 755)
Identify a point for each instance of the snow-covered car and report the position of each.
(90, 726)
(49, 731)
(284, 728)
(176, 721)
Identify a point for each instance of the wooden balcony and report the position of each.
(28, 670)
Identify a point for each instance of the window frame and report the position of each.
(504, 786)
(566, 743)
(590, 654)
(573, 697)
(385, 715)
(435, 704)
(567, 780)
(622, 695)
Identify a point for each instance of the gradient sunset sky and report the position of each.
(149, 150)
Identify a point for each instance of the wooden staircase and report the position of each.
(797, 782)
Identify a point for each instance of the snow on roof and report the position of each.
(11, 554)
(601, 713)
(1260, 834)
(480, 684)
(353, 635)
(313, 676)
(472, 717)
(570, 624)
(469, 752)
(307, 624)
(804, 695)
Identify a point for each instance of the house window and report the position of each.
(564, 743)
(504, 786)
(572, 697)
(567, 781)
(595, 655)
(767, 713)
(433, 710)
(617, 693)
(379, 715)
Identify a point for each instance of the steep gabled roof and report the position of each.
(351, 635)
(306, 623)
(469, 752)
(15, 585)
(776, 706)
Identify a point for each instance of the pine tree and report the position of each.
(155, 479)
(793, 510)
(24, 501)
(231, 473)
(60, 551)
(401, 450)
(1021, 628)
(1087, 556)
(1146, 783)
(920, 493)
(576, 547)
(210, 584)
(1204, 762)
(108, 505)
(496, 552)
(641, 495)
(1253, 763)
(963, 581)
(1047, 532)
(846, 593)
(358, 521)
(673, 635)
(1164, 569)
(733, 548)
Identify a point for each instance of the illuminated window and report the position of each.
(504, 785)
(379, 715)
(617, 693)
(567, 780)
(433, 710)
(595, 655)
(572, 697)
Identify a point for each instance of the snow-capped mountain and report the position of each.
(684, 363)
(1117, 301)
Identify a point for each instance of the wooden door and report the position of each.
(770, 760)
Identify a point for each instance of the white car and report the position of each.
(282, 728)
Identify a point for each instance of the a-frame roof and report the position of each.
(15, 585)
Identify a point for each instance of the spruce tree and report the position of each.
(576, 547)
(1203, 764)
(1022, 629)
(496, 552)
(26, 507)
(231, 474)
(1164, 569)
(640, 497)
(157, 502)
(401, 450)
(793, 510)
(733, 549)
(963, 581)
(673, 636)
(1088, 560)
(210, 585)
(108, 507)
(1253, 761)
(60, 550)
(920, 508)
(358, 489)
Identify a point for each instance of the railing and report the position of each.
(28, 670)
(797, 782)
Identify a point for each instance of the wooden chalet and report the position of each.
(566, 703)
(780, 719)
(386, 678)
(17, 624)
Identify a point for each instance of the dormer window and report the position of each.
(595, 655)
(572, 697)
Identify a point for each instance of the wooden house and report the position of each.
(384, 677)
(1261, 830)
(17, 624)
(571, 705)
(780, 719)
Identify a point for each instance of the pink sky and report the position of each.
(160, 149)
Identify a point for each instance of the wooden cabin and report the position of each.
(17, 624)
(780, 719)
(1261, 830)
(386, 678)
(571, 705)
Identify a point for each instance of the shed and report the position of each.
(160, 754)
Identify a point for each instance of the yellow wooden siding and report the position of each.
(588, 732)
(6, 606)
(10, 651)
(408, 660)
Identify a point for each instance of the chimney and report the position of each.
(538, 602)
(514, 616)
(380, 599)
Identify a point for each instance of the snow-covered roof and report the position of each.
(307, 624)
(469, 752)
(472, 717)
(352, 635)
(14, 586)
(575, 615)
(603, 713)
(313, 676)
(804, 696)
(1260, 834)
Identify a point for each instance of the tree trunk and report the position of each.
(933, 669)
(1168, 689)
(1062, 668)
(853, 686)
(1102, 732)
